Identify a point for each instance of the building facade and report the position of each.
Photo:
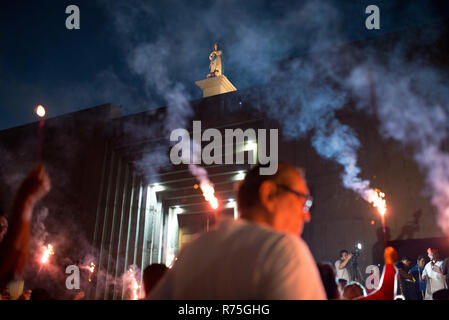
(118, 201)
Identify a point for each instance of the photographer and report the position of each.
(341, 265)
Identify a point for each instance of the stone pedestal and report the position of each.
(215, 85)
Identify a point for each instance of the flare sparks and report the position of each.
(377, 199)
(40, 111)
(209, 194)
(47, 252)
(132, 284)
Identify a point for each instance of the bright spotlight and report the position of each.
(157, 187)
(250, 146)
(240, 175)
(178, 209)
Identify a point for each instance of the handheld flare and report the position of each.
(40, 111)
(47, 252)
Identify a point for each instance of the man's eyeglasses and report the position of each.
(308, 197)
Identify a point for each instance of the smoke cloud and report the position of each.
(302, 94)
(413, 111)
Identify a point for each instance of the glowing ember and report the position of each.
(40, 111)
(377, 199)
(91, 269)
(209, 194)
(206, 186)
(135, 289)
(133, 284)
(47, 252)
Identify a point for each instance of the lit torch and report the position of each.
(132, 283)
(206, 186)
(209, 194)
(377, 199)
(135, 289)
(91, 269)
(47, 252)
(40, 111)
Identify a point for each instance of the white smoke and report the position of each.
(413, 111)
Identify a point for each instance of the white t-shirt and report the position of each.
(342, 273)
(243, 260)
(435, 281)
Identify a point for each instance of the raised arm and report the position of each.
(386, 290)
(345, 262)
(14, 249)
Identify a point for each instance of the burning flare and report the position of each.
(40, 111)
(377, 199)
(47, 252)
(206, 186)
(92, 267)
(91, 270)
(135, 286)
(209, 194)
(132, 283)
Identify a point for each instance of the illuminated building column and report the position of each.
(150, 220)
(171, 244)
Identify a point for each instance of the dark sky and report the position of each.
(41, 62)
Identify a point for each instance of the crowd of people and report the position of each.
(259, 256)
(421, 281)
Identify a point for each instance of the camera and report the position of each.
(356, 275)
(356, 252)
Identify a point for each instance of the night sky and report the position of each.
(41, 62)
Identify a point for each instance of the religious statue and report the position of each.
(215, 62)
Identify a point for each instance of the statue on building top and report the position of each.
(215, 62)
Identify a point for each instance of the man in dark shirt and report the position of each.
(407, 283)
(417, 271)
(445, 268)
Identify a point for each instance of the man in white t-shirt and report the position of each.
(433, 274)
(260, 256)
(342, 264)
